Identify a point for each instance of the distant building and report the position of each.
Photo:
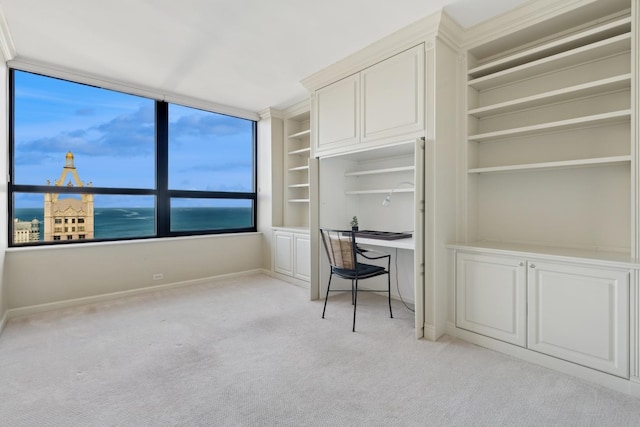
(26, 231)
(68, 218)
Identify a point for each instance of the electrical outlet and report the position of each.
(158, 276)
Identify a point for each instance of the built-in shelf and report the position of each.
(611, 84)
(578, 122)
(379, 191)
(600, 161)
(612, 46)
(572, 41)
(301, 134)
(300, 151)
(297, 151)
(380, 171)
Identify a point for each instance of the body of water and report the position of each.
(112, 223)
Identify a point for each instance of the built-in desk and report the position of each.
(407, 243)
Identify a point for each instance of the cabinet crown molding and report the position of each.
(403, 39)
(269, 113)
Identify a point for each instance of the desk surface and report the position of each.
(407, 243)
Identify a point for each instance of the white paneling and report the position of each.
(283, 252)
(580, 314)
(337, 109)
(491, 297)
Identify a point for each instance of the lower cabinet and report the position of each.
(302, 256)
(292, 254)
(572, 311)
(492, 297)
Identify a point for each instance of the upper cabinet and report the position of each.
(381, 104)
(392, 97)
(337, 114)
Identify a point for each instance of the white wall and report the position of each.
(3, 186)
(51, 275)
(270, 131)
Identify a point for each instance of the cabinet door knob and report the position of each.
(521, 264)
(532, 265)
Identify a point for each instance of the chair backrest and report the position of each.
(340, 248)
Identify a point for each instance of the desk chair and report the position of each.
(342, 251)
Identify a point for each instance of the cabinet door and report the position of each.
(302, 256)
(491, 296)
(337, 114)
(283, 243)
(580, 314)
(392, 97)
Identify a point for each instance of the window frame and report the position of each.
(162, 193)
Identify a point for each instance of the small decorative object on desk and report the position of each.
(354, 223)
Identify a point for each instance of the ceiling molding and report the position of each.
(7, 48)
(271, 113)
(34, 66)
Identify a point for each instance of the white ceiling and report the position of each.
(248, 54)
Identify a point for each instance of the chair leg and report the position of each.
(352, 292)
(389, 293)
(327, 296)
(355, 305)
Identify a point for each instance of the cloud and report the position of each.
(85, 112)
(209, 125)
(127, 134)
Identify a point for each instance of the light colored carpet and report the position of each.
(253, 351)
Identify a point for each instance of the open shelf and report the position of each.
(300, 134)
(298, 200)
(600, 161)
(611, 46)
(611, 84)
(300, 151)
(304, 185)
(299, 168)
(379, 191)
(380, 171)
(573, 41)
(578, 122)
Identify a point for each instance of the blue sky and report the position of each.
(111, 135)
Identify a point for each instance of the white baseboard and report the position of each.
(288, 279)
(4, 320)
(622, 385)
(25, 311)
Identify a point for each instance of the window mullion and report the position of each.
(163, 202)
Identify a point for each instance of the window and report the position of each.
(124, 166)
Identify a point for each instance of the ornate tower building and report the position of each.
(68, 218)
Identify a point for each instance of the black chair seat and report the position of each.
(362, 271)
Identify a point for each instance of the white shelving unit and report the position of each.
(297, 150)
(549, 148)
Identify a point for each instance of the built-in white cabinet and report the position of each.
(301, 256)
(581, 314)
(549, 153)
(492, 296)
(570, 310)
(392, 97)
(337, 109)
(283, 252)
(381, 104)
(292, 254)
